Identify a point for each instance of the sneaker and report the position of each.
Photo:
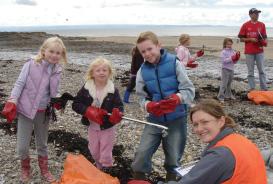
(222, 101)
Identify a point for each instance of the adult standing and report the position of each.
(253, 33)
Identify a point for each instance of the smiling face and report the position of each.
(53, 53)
(229, 45)
(206, 126)
(101, 73)
(149, 51)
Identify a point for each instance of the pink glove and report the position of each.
(9, 111)
(116, 116)
(200, 53)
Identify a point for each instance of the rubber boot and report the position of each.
(126, 96)
(170, 177)
(25, 170)
(43, 164)
(139, 176)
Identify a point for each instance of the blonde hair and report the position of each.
(184, 38)
(148, 35)
(213, 108)
(46, 44)
(97, 62)
(226, 40)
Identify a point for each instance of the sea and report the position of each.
(132, 30)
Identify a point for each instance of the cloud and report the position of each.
(26, 2)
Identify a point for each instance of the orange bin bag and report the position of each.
(78, 170)
(261, 97)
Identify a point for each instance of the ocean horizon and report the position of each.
(131, 30)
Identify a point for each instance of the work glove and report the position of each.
(169, 104)
(138, 182)
(95, 114)
(9, 111)
(116, 116)
(57, 105)
(154, 108)
(200, 53)
(60, 102)
(236, 57)
(263, 43)
(192, 64)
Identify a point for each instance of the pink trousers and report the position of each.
(101, 143)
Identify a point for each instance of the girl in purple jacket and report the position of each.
(229, 57)
(37, 83)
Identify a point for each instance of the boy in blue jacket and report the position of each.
(165, 91)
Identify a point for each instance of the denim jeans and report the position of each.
(251, 59)
(173, 146)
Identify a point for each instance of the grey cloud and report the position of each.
(26, 2)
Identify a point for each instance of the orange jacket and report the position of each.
(249, 167)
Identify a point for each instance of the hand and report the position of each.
(263, 43)
(200, 53)
(116, 116)
(57, 105)
(9, 111)
(169, 104)
(236, 57)
(154, 108)
(95, 114)
(253, 40)
(192, 65)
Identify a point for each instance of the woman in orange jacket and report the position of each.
(229, 157)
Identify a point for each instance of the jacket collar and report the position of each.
(91, 87)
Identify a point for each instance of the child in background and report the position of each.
(183, 53)
(164, 90)
(94, 101)
(137, 61)
(37, 83)
(229, 57)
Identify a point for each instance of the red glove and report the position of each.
(236, 57)
(95, 114)
(191, 64)
(263, 43)
(154, 108)
(57, 106)
(200, 53)
(116, 116)
(138, 182)
(9, 111)
(169, 104)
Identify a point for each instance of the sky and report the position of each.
(150, 12)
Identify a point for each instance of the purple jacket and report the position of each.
(36, 83)
(226, 58)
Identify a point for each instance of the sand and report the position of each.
(213, 44)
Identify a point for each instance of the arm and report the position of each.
(215, 167)
(225, 57)
(185, 87)
(20, 83)
(181, 55)
(140, 85)
(78, 104)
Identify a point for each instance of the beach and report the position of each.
(68, 135)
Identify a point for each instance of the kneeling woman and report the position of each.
(229, 157)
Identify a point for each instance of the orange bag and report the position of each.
(78, 170)
(261, 97)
